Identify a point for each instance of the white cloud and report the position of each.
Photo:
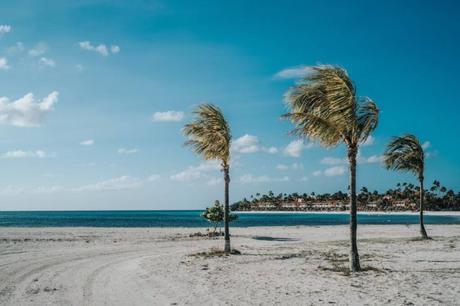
(79, 67)
(369, 141)
(39, 49)
(25, 154)
(125, 151)
(426, 145)
(294, 72)
(88, 142)
(335, 171)
(295, 148)
(374, 159)
(246, 144)
(114, 184)
(168, 116)
(5, 28)
(153, 178)
(196, 172)
(250, 179)
(304, 179)
(102, 49)
(332, 171)
(46, 62)
(293, 166)
(251, 144)
(4, 64)
(26, 112)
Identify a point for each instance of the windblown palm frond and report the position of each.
(324, 107)
(405, 153)
(209, 134)
(367, 119)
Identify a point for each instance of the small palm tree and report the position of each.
(405, 153)
(209, 135)
(324, 106)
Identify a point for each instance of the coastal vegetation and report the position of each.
(403, 197)
(209, 135)
(324, 106)
(215, 215)
(405, 153)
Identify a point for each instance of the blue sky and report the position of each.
(93, 95)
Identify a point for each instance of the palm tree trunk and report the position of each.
(422, 226)
(354, 256)
(226, 211)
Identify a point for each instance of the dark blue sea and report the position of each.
(192, 218)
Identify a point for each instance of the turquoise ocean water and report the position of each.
(192, 218)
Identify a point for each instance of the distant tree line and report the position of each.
(437, 198)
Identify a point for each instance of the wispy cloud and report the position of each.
(293, 166)
(26, 112)
(39, 49)
(426, 145)
(102, 49)
(360, 159)
(295, 148)
(196, 172)
(18, 47)
(246, 144)
(332, 171)
(5, 28)
(251, 179)
(17, 190)
(369, 141)
(125, 151)
(250, 144)
(374, 159)
(119, 183)
(333, 161)
(24, 154)
(4, 64)
(294, 72)
(168, 116)
(46, 62)
(88, 142)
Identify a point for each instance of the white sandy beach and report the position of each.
(278, 266)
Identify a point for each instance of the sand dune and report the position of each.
(278, 266)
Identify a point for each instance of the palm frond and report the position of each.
(367, 119)
(405, 153)
(209, 133)
(315, 127)
(324, 106)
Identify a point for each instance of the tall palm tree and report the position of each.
(209, 135)
(324, 106)
(405, 153)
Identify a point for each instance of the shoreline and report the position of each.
(432, 213)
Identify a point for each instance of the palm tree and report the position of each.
(405, 153)
(209, 135)
(324, 106)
